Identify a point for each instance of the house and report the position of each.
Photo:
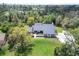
(48, 30)
(2, 38)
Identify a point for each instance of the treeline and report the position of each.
(66, 16)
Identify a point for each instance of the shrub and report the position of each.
(3, 49)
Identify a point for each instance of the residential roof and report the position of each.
(46, 28)
(37, 27)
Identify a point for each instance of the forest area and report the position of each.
(14, 22)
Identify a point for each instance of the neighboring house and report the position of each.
(2, 38)
(47, 30)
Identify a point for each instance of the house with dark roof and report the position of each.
(48, 30)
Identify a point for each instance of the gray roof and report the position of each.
(37, 27)
(46, 28)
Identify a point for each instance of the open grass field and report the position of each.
(44, 46)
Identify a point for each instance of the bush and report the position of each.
(3, 49)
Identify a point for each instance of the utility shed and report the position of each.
(2, 38)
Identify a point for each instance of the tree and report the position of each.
(3, 49)
(5, 26)
(59, 20)
(74, 22)
(49, 18)
(70, 48)
(30, 20)
(65, 22)
(75, 33)
(65, 50)
(19, 40)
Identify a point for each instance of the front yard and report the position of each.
(44, 46)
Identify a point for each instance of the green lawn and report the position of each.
(44, 46)
(58, 29)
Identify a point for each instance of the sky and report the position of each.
(40, 2)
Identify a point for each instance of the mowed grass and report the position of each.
(44, 46)
(58, 29)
